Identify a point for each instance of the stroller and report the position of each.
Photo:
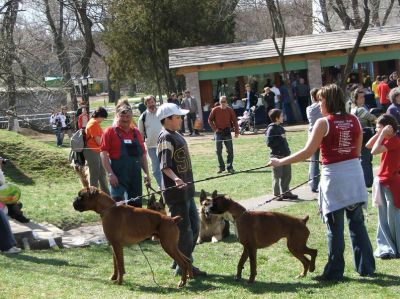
(247, 122)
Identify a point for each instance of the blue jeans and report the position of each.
(227, 140)
(366, 164)
(388, 234)
(7, 238)
(59, 136)
(188, 227)
(314, 171)
(155, 164)
(363, 257)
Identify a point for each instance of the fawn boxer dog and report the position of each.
(213, 227)
(262, 229)
(124, 225)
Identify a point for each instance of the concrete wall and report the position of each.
(314, 73)
(192, 84)
(34, 101)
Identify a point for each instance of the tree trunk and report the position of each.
(7, 36)
(324, 12)
(353, 53)
(62, 53)
(387, 12)
(281, 51)
(113, 89)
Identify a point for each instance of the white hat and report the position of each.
(169, 109)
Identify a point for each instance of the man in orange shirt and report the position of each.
(222, 118)
(92, 150)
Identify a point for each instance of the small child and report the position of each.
(276, 141)
(386, 188)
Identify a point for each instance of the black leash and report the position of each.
(151, 269)
(206, 179)
(189, 183)
(289, 191)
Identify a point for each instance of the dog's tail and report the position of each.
(305, 219)
(177, 219)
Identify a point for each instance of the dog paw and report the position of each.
(181, 284)
(250, 281)
(312, 268)
(238, 278)
(214, 240)
(113, 277)
(301, 275)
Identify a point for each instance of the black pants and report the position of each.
(191, 117)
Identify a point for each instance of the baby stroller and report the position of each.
(247, 122)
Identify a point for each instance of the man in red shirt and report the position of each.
(383, 91)
(222, 118)
(123, 155)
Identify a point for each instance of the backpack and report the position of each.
(144, 125)
(78, 141)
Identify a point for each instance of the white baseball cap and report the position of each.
(169, 109)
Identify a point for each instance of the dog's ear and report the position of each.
(203, 196)
(214, 194)
(93, 191)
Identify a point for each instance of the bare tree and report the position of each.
(351, 56)
(8, 56)
(58, 30)
(278, 30)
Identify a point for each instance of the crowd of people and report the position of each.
(343, 139)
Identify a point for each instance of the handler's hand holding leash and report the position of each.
(274, 162)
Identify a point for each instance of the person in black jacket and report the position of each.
(276, 141)
(250, 98)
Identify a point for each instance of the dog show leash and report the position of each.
(127, 201)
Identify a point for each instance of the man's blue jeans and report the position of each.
(227, 140)
(188, 227)
(364, 261)
(7, 238)
(155, 164)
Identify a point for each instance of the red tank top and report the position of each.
(340, 144)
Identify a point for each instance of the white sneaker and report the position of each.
(12, 250)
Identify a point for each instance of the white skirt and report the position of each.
(342, 184)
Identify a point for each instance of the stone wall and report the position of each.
(192, 84)
(314, 73)
(34, 101)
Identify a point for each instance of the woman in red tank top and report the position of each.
(342, 188)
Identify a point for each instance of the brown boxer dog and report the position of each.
(258, 229)
(124, 225)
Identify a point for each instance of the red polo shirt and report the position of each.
(111, 143)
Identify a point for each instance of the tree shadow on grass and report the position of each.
(16, 175)
(45, 261)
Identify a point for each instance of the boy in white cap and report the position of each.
(176, 168)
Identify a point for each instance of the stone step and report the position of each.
(35, 236)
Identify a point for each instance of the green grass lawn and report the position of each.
(84, 272)
(49, 186)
